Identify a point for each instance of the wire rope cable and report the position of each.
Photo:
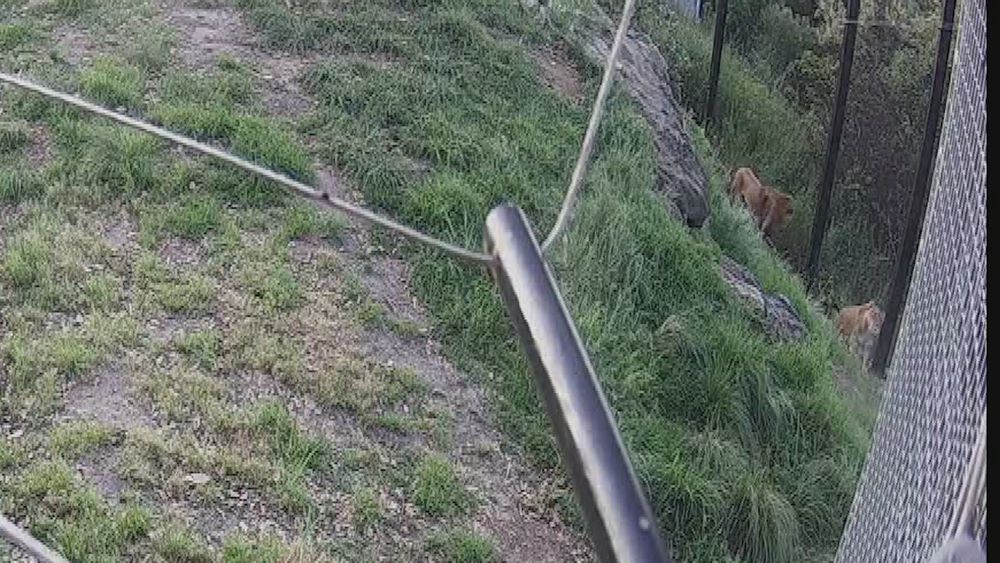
(24, 541)
(596, 115)
(294, 186)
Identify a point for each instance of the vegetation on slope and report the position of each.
(745, 444)
(776, 87)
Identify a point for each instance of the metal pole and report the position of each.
(822, 218)
(718, 36)
(618, 516)
(31, 546)
(918, 203)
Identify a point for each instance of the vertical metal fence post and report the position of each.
(718, 37)
(918, 202)
(822, 218)
(618, 516)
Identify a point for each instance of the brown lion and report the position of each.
(771, 209)
(860, 325)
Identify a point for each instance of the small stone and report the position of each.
(197, 478)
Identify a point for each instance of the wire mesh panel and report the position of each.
(689, 8)
(936, 391)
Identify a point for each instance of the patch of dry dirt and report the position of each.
(205, 34)
(76, 45)
(557, 72)
(181, 253)
(107, 399)
(39, 152)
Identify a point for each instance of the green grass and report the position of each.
(240, 549)
(302, 221)
(367, 507)
(207, 107)
(294, 453)
(70, 516)
(67, 353)
(460, 546)
(102, 291)
(152, 55)
(74, 439)
(8, 457)
(202, 347)
(182, 293)
(784, 139)
(758, 125)
(193, 219)
(361, 386)
(366, 311)
(39, 363)
(259, 141)
(19, 185)
(180, 393)
(112, 83)
(258, 348)
(188, 295)
(274, 285)
(52, 265)
(27, 261)
(745, 445)
(72, 8)
(177, 545)
(155, 459)
(76, 300)
(437, 490)
(13, 136)
(14, 35)
(106, 163)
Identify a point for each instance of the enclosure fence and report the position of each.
(935, 397)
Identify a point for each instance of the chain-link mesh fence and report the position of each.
(936, 392)
(692, 9)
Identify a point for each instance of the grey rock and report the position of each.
(680, 177)
(780, 317)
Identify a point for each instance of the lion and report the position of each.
(770, 208)
(778, 213)
(860, 326)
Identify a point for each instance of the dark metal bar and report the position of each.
(918, 202)
(718, 37)
(822, 218)
(618, 516)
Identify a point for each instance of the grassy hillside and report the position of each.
(742, 442)
(749, 448)
(757, 126)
